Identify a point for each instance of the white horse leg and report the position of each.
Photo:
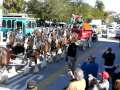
(27, 67)
(4, 75)
(39, 62)
(13, 69)
(59, 54)
(36, 69)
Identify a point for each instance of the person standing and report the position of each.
(109, 59)
(90, 67)
(78, 82)
(117, 84)
(104, 82)
(71, 54)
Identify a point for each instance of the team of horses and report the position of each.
(34, 45)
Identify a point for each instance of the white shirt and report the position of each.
(104, 84)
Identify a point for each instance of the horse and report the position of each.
(28, 45)
(10, 39)
(32, 51)
(4, 57)
(18, 49)
(47, 46)
(59, 43)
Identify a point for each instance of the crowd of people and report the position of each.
(88, 77)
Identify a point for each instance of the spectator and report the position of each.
(115, 75)
(117, 84)
(104, 83)
(78, 83)
(84, 68)
(92, 83)
(91, 67)
(71, 53)
(109, 58)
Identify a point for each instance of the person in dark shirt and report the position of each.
(71, 54)
(109, 59)
(72, 50)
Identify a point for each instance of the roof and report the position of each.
(15, 15)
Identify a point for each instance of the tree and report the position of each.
(86, 10)
(98, 10)
(52, 9)
(99, 5)
(13, 6)
(61, 10)
(58, 9)
(34, 7)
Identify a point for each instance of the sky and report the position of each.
(111, 5)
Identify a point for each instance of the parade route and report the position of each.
(54, 76)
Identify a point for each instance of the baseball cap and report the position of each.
(104, 75)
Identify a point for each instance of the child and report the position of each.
(104, 83)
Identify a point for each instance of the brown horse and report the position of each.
(28, 42)
(31, 52)
(4, 56)
(59, 44)
(36, 55)
(10, 38)
(46, 47)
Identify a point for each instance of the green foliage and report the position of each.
(13, 6)
(59, 10)
(99, 5)
(52, 9)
